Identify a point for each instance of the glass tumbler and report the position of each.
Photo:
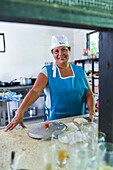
(62, 153)
(106, 154)
(90, 134)
(101, 137)
(79, 156)
(46, 154)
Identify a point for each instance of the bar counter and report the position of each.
(18, 140)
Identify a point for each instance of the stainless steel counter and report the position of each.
(6, 112)
(16, 87)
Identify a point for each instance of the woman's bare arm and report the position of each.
(30, 98)
(35, 92)
(90, 100)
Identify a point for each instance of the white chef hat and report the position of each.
(57, 41)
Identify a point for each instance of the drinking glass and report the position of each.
(21, 161)
(90, 134)
(105, 154)
(72, 141)
(79, 156)
(62, 153)
(101, 137)
(67, 136)
(92, 163)
(93, 154)
(46, 155)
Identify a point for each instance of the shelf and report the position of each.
(39, 115)
(96, 77)
(16, 87)
(88, 59)
(33, 117)
(5, 106)
(92, 60)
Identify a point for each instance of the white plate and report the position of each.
(80, 120)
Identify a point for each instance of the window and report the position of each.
(93, 42)
(2, 42)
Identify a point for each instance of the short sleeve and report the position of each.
(44, 71)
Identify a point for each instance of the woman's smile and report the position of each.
(61, 57)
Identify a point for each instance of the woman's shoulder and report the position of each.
(47, 66)
(46, 69)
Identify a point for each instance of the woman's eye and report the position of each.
(56, 51)
(64, 49)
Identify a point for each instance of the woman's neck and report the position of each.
(65, 70)
(63, 65)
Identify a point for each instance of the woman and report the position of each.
(65, 85)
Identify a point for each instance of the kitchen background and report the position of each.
(27, 51)
(28, 48)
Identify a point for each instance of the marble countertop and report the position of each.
(18, 140)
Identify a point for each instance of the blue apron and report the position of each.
(67, 94)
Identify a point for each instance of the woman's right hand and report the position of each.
(18, 119)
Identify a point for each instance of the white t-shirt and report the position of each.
(46, 90)
(44, 71)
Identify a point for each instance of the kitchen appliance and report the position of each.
(40, 131)
(4, 84)
(33, 79)
(32, 111)
(14, 82)
(25, 81)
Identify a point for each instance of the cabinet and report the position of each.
(91, 61)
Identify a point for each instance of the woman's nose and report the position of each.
(60, 52)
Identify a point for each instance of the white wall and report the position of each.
(28, 48)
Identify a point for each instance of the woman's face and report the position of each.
(61, 54)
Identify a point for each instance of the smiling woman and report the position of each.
(2, 42)
(66, 87)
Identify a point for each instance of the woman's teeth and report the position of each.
(61, 57)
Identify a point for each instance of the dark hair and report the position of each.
(69, 48)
